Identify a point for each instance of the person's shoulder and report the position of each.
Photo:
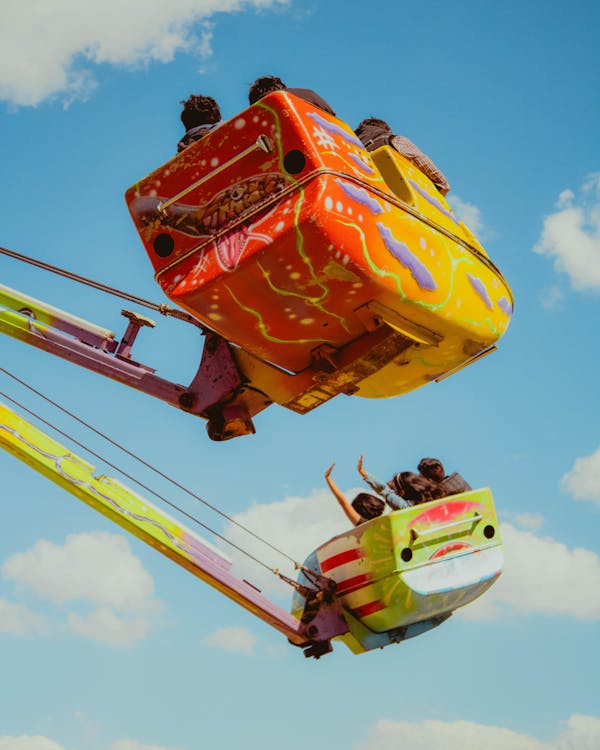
(311, 96)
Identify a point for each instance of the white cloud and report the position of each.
(541, 576)
(552, 297)
(583, 481)
(582, 733)
(96, 567)
(469, 214)
(532, 521)
(571, 236)
(104, 625)
(457, 735)
(28, 742)
(49, 48)
(232, 639)
(18, 619)
(297, 525)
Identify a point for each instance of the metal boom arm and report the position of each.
(218, 392)
(156, 528)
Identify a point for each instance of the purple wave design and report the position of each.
(479, 287)
(434, 203)
(199, 551)
(356, 158)
(331, 127)
(505, 306)
(400, 251)
(361, 196)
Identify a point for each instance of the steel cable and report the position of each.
(173, 505)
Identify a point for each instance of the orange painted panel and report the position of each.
(277, 249)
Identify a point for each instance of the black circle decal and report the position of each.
(163, 245)
(294, 161)
(406, 554)
(489, 532)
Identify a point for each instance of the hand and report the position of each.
(329, 470)
(361, 471)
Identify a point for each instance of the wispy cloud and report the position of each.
(94, 568)
(582, 732)
(28, 742)
(297, 525)
(469, 214)
(571, 235)
(17, 619)
(583, 481)
(97, 567)
(542, 576)
(105, 625)
(531, 521)
(233, 639)
(49, 48)
(552, 297)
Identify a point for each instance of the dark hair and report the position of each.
(199, 110)
(372, 121)
(426, 464)
(415, 488)
(395, 484)
(368, 506)
(263, 86)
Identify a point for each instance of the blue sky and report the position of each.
(504, 98)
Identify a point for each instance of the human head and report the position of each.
(368, 506)
(432, 468)
(396, 485)
(199, 110)
(263, 86)
(372, 122)
(416, 488)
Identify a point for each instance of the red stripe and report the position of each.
(452, 547)
(353, 583)
(368, 609)
(341, 559)
(445, 511)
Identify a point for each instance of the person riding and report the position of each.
(267, 84)
(415, 488)
(199, 116)
(404, 490)
(374, 133)
(452, 484)
(363, 508)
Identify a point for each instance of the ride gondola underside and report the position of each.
(330, 270)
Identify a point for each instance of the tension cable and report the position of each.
(160, 308)
(170, 503)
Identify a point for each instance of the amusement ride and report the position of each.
(311, 268)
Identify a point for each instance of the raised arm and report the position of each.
(353, 516)
(395, 501)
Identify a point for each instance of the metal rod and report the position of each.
(473, 519)
(262, 143)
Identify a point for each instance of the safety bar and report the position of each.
(415, 533)
(262, 143)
